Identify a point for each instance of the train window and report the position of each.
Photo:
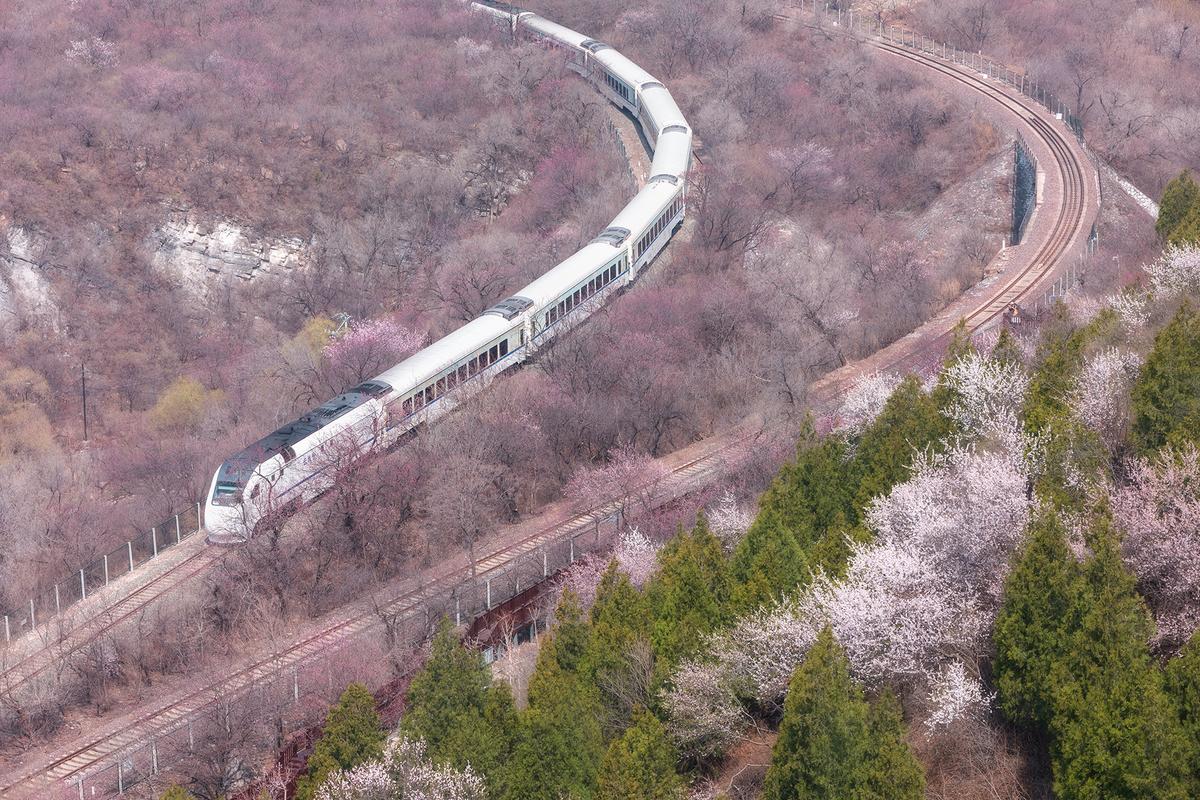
(407, 406)
(504, 347)
(428, 395)
(522, 337)
(451, 381)
(493, 353)
(462, 373)
(440, 389)
(419, 401)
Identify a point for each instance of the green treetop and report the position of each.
(690, 594)
(1180, 197)
(640, 764)
(830, 742)
(1115, 733)
(352, 735)
(1166, 397)
(1183, 685)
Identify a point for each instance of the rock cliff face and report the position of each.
(25, 294)
(204, 255)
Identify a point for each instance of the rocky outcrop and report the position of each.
(25, 294)
(202, 255)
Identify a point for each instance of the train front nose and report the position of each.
(225, 524)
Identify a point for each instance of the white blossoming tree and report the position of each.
(404, 773)
(1101, 396)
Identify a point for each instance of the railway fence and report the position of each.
(298, 682)
(52, 601)
(1024, 193)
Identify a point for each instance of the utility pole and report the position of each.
(83, 392)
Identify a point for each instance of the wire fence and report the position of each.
(52, 601)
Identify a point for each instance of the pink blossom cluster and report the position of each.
(626, 482)
(636, 556)
(1158, 510)
(865, 401)
(369, 348)
(404, 773)
(1101, 396)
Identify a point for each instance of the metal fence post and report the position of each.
(545, 566)
(106, 569)
(197, 516)
(32, 620)
(120, 777)
(129, 544)
(7, 634)
(57, 604)
(457, 611)
(572, 550)
(178, 535)
(488, 587)
(154, 757)
(82, 586)
(191, 737)
(80, 784)
(154, 540)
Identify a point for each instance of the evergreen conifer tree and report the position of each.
(690, 594)
(895, 772)
(1183, 685)
(767, 564)
(1187, 232)
(620, 621)
(824, 746)
(463, 717)
(1115, 731)
(1180, 196)
(911, 420)
(1166, 397)
(1006, 349)
(640, 764)
(1033, 622)
(352, 735)
(561, 743)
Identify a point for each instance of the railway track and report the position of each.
(689, 469)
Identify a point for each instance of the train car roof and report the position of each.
(569, 273)
(672, 152)
(446, 351)
(560, 33)
(621, 66)
(641, 211)
(662, 106)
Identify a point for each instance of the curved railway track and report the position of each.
(695, 466)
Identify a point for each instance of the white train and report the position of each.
(295, 463)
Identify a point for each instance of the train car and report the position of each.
(298, 461)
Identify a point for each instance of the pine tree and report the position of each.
(690, 594)
(561, 743)
(1166, 397)
(767, 564)
(463, 717)
(572, 634)
(895, 772)
(810, 492)
(1187, 232)
(448, 693)
(352, 735)
(620, 623)
(1179, 197)
(1034, 621)
(640, 765)
(1006, 349)
(1115, 731)
(1183, 685)
(911, 420)
(824, 746)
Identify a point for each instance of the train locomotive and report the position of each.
(294, 464)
